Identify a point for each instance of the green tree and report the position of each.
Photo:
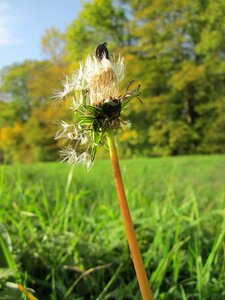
(180, 49)
(97, 22)
(14, 82)
(30, 86)
(53, 45)
(175, 49)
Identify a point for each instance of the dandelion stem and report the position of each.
(132, 241)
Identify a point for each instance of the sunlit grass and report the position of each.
(62, 232)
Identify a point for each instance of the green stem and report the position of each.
(132, 241)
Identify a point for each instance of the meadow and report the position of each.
(61, 232)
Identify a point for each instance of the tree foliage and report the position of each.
(175, 49)
(53, 45)
(98, 21)
(27, 121)
(180, 45)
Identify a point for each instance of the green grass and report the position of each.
(61, 231)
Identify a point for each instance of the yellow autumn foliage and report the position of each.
(129, 136)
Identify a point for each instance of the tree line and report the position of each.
(174, 49)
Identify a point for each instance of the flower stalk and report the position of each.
(125, 212)
(98, 104)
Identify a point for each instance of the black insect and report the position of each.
(112, 109)
(101, 51)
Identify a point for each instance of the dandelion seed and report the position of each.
(69, 154)
(61, 95)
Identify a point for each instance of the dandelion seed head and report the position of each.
(99, 78)
(103, 78)
(94, 90)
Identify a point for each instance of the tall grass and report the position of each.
(62, 235)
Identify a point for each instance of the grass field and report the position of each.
(61, 231)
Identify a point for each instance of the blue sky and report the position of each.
(23, 22)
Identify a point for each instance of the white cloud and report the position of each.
(6, 36)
